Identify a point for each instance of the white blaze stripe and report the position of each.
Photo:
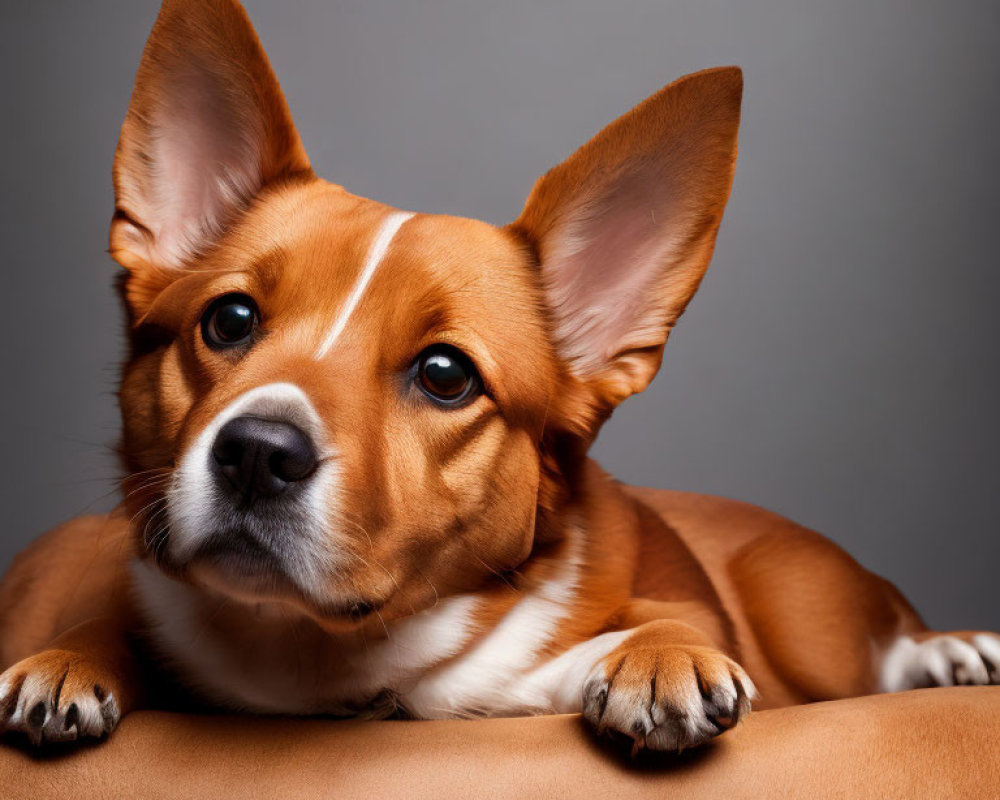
(376, 253)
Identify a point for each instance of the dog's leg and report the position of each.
(822, 619)
(831, 629)
(79, 687)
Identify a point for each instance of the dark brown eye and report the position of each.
(446, 375)
(230, 321)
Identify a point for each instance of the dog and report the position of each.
(355, 445)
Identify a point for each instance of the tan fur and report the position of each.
(698, 599)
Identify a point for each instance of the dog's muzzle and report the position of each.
(250, 503)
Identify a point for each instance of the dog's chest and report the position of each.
(437, 663)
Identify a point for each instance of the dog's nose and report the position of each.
(262, 457)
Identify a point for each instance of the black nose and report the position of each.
(262, 457)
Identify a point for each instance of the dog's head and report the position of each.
(342, 406)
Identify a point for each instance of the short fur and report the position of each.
(439, 561)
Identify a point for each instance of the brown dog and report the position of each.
(356, 447)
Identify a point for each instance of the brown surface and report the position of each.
(932, 743)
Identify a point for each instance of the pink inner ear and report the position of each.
(206, 151)
(605, 264)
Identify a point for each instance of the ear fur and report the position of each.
(624, 230)
(206, 129)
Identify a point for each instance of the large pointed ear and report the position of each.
(206, 129)
(624, 230)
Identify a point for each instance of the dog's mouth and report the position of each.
(238, 566)
(242, 555)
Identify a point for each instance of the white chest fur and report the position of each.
(433, 663)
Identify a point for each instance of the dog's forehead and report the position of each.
(322, 238)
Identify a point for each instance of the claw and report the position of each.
(38, 715)
(742, 707)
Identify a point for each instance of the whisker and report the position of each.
(437, 597)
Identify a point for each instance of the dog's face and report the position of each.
(347, 408)
(350, 416)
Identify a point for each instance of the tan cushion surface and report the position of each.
(930, 743)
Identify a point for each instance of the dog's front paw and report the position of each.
(666, 697)
(58, 696)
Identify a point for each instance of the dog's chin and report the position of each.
(258, 580)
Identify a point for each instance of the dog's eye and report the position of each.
(229, 322)
(446, 375)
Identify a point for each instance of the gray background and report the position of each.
(840, 363)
